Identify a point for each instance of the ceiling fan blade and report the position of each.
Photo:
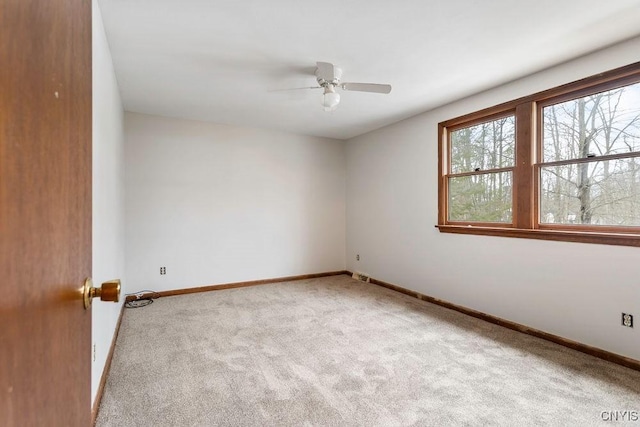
(326, 71)
(366, 87)
(295, 88)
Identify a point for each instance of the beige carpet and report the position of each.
(338, 352)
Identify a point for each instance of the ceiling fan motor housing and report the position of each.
(325, 81)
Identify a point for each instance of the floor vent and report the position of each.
(361, 277)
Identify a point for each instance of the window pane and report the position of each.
(480, 198)
(484, 146)
(594, 193)
(596, 125)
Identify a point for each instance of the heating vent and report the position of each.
(361, 276)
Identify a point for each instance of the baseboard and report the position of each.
(583, 348)
(222, 286)
(105, 371)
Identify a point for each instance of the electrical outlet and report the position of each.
(357, 257)
(163, 270)
(627, 320)
(94, 352)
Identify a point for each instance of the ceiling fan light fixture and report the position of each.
(330, 98)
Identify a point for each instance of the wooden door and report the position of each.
(45, 212)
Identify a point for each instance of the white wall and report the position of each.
(218, 204)
(573, 290)
(108, 194)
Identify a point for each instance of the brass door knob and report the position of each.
(108, 291)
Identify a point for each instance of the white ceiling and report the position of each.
(217, 60)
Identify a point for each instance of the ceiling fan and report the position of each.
(328, 77)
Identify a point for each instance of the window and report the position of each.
(563, 164)
(589, 171)
(480, 182)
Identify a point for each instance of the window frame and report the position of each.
(527, 167)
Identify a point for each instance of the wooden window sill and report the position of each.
(618, 239)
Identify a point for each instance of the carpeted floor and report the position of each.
(338, 352)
